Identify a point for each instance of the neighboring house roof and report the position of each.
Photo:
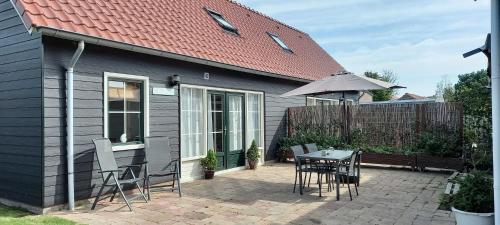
(410, 96)
(185, 28)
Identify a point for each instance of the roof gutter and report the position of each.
(124, 46)
(69, 124)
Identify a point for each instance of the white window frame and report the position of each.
(205, 123)
(145, 80)
(205, 116)
(247, 121)
(336, 101)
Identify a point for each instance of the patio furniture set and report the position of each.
(333, 165)
(161, 165)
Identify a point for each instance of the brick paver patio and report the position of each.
(265, 196)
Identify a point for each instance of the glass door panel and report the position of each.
(235, 122)
(216, 123)
(235, 154)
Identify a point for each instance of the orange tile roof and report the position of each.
(184, 27)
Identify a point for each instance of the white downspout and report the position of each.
(495, 92)
(69, 124)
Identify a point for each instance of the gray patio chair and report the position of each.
(311, 147)
(161, 163)
(349, 170)
(305, 168)
(110, 172)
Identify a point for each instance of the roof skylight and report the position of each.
(222, 21)
(280, 42)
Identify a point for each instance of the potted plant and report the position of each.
(253, 155)
(209, 163)
(473, 203)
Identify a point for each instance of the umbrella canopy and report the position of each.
(341, 83)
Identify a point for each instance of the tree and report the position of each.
(472, 91)
(445, 90)
(387, 76)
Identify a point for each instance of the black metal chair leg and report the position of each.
(309, 183)
(140, 191)
(328, 178)
(349, 187)
(320, 181)
(144, 186)
(173, 184)
(123, 194)
(305, 178)
(114, 193)
(295, 182)
(356, 187)
(179, 184)
(97, 197)
(100, 191)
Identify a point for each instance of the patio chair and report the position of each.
(110, 172)
(161, 164)
(311, 147)
(349, 170)
(305, 168)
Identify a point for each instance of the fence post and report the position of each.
(288, 122)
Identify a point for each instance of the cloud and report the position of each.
(421, 40)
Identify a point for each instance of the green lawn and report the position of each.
(13, 216)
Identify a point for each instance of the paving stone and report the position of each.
(265, 196)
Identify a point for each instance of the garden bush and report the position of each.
(430, 143)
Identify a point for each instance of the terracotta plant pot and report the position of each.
(209, 174)
(252, 164)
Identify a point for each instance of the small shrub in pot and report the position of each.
(253, 155)
(473, 203)
(209, 163)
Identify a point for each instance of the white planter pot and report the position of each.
(468, 218)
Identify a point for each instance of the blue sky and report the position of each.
(420, 40)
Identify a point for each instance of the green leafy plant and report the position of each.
(431, 143)
(253, 153)
(475, 193)
(210, 161)
(478, 142)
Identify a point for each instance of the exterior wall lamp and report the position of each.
(174, 80)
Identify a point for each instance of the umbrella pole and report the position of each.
(346, 132)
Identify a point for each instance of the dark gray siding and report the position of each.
(164, 114)
(20, 110)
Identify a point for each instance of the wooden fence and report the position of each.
(395, 125)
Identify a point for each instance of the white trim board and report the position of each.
(205, 89)
(145, 79)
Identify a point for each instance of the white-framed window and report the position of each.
(312, 101)
(194, 119)
(126, 110)
(193, 127)
(255, 119)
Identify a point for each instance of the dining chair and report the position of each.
(312, 147)
(349, 170)
(302, 166)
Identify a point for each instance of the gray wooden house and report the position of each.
(208, 74)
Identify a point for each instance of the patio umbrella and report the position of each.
(341, 83)
(338, 83)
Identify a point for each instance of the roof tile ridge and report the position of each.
(266, 16)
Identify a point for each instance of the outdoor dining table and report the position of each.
(334, 156)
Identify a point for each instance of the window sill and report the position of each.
(192, 158)
(127, 147)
